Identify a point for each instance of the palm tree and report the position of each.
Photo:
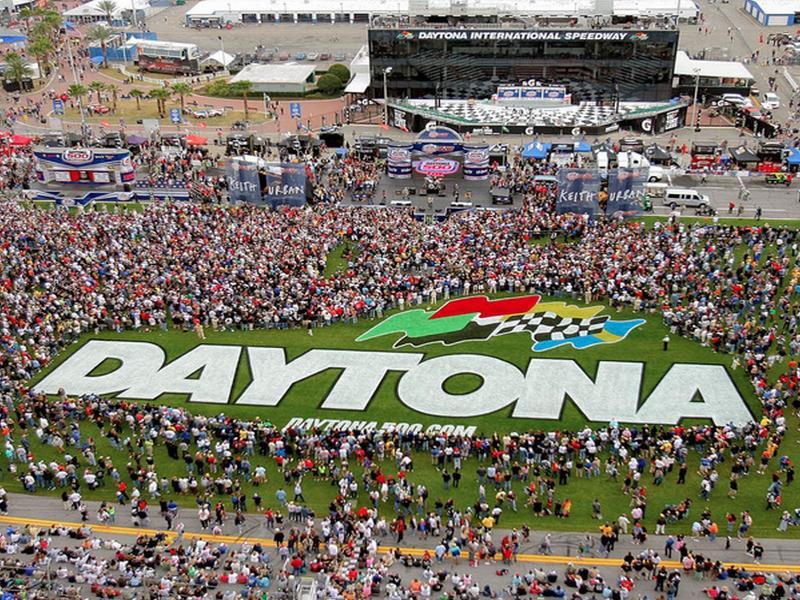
(109, 7)
(243, 88)
(26, 14)
(17, 69)
(161, 95)
(114, 91)
(77, 91)
(181, 89)
(97, 87)
(41, 47)
(101, 34)
(137, 95)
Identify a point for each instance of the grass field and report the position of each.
(303, 400)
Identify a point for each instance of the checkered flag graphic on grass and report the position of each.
(549, 326)
(477, 318)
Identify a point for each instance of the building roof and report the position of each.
(449, 7)
(726, 69)
(288, 73)
(359, 84)
(779, 7)
(92, 8)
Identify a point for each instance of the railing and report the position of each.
(188, 79)
(530, 22)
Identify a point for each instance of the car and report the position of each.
(312, 56)
(778, 179)
(339, 56)
(735, 100)
(207, 113)
(283, 56)
(300, 56)
(325, 56)
(99, 109)
(655, 173)
(770, 100)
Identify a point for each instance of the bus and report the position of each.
(169, 57)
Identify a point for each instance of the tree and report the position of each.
(101, 34)
(17, 69)
(26, 14)
(329, 84)
(242, 88)
(97, 87)
(219, 87)
(77, 91)
(161, 95)
(109, 7)
(181, 89)
(137, 95)
(41, 47)
(114, 91)
(340, 71)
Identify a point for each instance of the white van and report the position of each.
(685, 197)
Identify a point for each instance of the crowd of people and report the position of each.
(195, 266)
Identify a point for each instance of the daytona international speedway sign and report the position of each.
(538, 389)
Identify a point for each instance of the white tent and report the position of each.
(220, 58)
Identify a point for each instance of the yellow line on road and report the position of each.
(233, 539)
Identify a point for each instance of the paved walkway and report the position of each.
(43, 511)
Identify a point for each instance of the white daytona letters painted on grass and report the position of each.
(539, 393)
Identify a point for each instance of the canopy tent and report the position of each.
(11, 36)
(196, 140)
(136, 140)
(743, 155)
(794, 156)
(657, 154)
(582, 146)
(223, 59)
(96, 59)
(536, 150)
(341, 151)
(359, 84)
(20, 140)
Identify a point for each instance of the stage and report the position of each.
(471, 194)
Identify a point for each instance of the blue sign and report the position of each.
(243, 184)
(626, 192)
(578, 191)
(58, 106)
(175, 115)
(295, 110)
(286, 184)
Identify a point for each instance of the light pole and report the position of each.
(386, 72)
(696, 72)
(221, 46)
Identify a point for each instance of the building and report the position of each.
(215, 12)
(604, 65)
(290, 78)
(712, 77)
(121, 15)
(774, 12)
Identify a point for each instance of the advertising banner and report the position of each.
(476, 162)
(285, 184)
(508, 93)
(578, 191)
(243, 184)
(626, 191)
(398, 161)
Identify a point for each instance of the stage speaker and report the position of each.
(411, 191)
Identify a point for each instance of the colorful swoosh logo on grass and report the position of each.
(476, 318)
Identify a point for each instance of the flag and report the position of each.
(476, 318)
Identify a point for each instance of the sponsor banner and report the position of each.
(626, 192)
(285, 184)
(243, 184)
(436, 167)
(578, 191)
(476, 162)
(398, 161)
(508, 93)
(400, 427)
(516, 36)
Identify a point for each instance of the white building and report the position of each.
(774, 12)
(91, 11)
(353, 11)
